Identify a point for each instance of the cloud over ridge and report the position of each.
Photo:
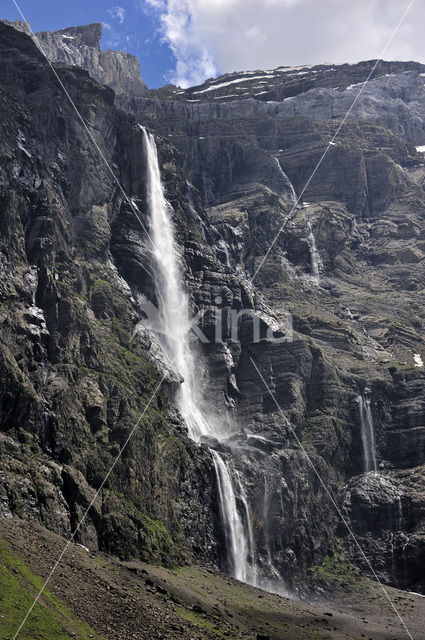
(208, 37)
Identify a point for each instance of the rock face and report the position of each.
(80, 47)
(73, 382)
(333, 284)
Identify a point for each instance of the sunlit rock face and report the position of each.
(337, 319)
(80, 47)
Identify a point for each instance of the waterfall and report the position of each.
(238, 544)
(367, 433)
(287, 181)
(174, 335)
(225, 248)
(400, 516)
(250, 558)
(173, 303)
(275, 584)
(316, 261)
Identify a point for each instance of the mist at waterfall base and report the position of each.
(183, 354)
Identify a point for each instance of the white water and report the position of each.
(287, 181)
(400, 517)
(174, 335)
(225, 248)
(367, 434)
(252, 578)
(316, 261)
(238, 544)
(173, 303)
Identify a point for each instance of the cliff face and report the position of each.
(73, 383)
(347, 268)
(80, 47)
(357, 314)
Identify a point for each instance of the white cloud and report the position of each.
(208, 36)
(118, 13)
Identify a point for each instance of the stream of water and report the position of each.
(367, 432)
(316, 261)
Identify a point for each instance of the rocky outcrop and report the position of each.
(80, 47)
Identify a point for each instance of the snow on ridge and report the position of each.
(213, 87)
(357, 84)
(287, 69)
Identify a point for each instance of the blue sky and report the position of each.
(187, 41)
(135, 30)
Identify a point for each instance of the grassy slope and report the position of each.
(49, 619)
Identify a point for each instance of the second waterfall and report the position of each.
(174, 335)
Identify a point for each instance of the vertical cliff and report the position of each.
(80, 47)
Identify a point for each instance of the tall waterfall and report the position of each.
(367, 432)
(174, 334)
(173, 304)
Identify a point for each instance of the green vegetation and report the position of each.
(399, 366)
(50, 618)
(158, 539)
(196, 618)
(337, 570)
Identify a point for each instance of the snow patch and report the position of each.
(418, 360)
(353, 86)
(227, 84)
(420, 149)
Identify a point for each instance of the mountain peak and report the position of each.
(88, 34)
(80, 47)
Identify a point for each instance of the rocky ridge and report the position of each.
(80, 47)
